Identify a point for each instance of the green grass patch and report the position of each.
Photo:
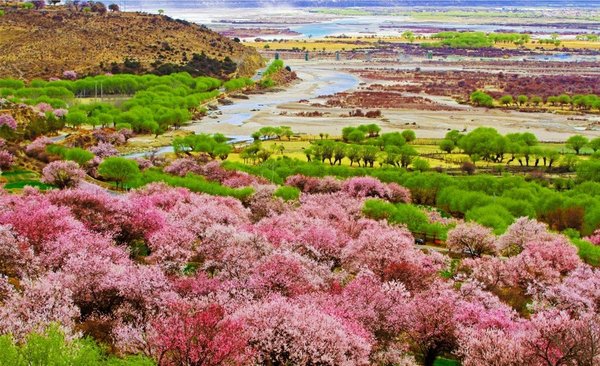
(19, 179)
(445, 362)
(23, 183)
(17, 172)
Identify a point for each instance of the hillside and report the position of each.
(44, 44)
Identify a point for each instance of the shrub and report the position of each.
(588, 170)
(287, 193)
(70, 75)
(181, 167)
(237, 84)
(104, 150)
(39, 4)
(63, 174)
(8, 121)
(364, 187)
(421, 165)
(52, 347)
(493, 216)
(6, 160)
(78, 155)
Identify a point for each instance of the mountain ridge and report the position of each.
(44, 44)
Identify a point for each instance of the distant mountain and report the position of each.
(186, 4)
(45, 43)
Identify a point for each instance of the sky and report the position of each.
(152, 4)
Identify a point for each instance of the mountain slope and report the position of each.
(43, 44)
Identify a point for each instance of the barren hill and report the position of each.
(44, 44)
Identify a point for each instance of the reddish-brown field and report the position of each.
(460, 84)
(382, 97)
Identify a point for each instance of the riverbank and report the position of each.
(321, 78)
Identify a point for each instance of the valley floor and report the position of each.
(319, 78)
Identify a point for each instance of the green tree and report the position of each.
(595, 144)
(392, 139)
(353, 153)
(372, 129)
(569, 161)
(536, 101)
(577, 142)
(485, 143)
(481, 99)
(407, 153)
(454, 136)
(564, 99)
(369, 155)
(119, 170)
(409, 36)
(522, 99)
(447, 145)
(409, 135)
(506, 100)
(588, 170)
(286, 132)
(356, 136)
(339, 153)
(77, 118)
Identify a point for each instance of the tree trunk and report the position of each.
(429, 358)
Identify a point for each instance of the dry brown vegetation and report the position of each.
(384, 99)
(43, 44)
(460, 84)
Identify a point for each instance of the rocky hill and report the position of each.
(44, 44)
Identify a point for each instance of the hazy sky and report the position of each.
(315, 3)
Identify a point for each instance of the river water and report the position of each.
(314, 82)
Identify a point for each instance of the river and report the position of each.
(314, 81)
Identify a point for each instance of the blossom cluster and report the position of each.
(8, 121)
(189, 278)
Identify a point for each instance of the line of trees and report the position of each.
(485, 143)
(475, 39)
(585, 102)
(157, 103)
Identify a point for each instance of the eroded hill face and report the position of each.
(44, 44)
